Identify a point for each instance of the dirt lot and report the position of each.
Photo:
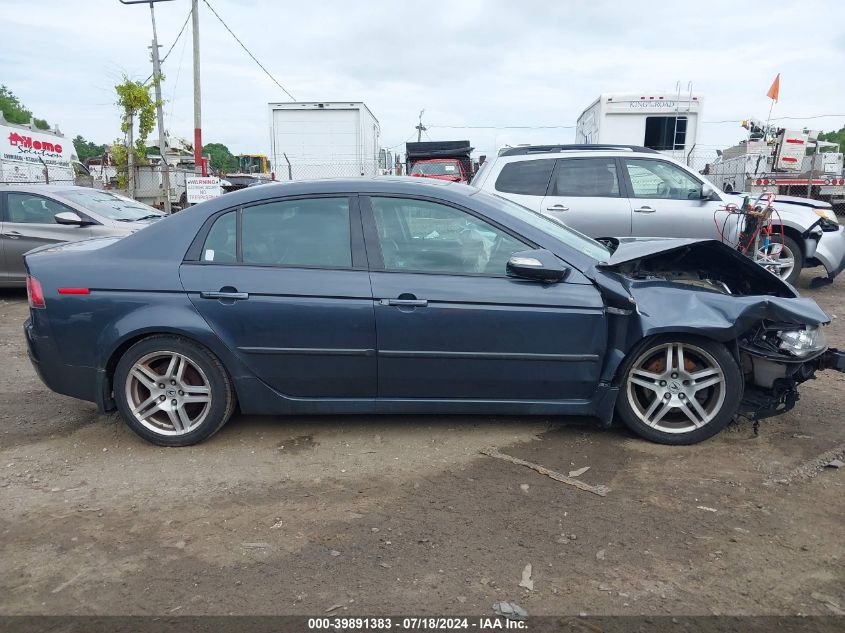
(403, 515)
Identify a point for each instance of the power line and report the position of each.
(243, 46)
(172, 46)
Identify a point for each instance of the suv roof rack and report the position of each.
(541, 149)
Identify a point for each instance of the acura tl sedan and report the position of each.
(396, 295)
(35, 215)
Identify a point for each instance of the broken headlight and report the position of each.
(802, 342)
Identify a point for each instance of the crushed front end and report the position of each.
(777, 357)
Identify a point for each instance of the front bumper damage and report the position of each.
(704, 288)
(771, 386)
(830, 251)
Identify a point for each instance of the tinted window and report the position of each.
(430, 237)
(595, 177)
(221, 242)
(659, 179)
(665, 132)
(32, 209)
(527, 177)
(311, 232)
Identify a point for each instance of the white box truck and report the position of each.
(323, 140)
(34, 156)
(664, 121)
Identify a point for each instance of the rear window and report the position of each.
(527, 177)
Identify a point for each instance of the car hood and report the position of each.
(707, 258)
(697, 286)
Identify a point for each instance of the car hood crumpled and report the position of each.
(645, 269)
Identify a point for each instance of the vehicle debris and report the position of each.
(835, 463)
(707, 509)
(600, 490)
(334, 607)
(527, 582)
(579, 471)
(510, 610)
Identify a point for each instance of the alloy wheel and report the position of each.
(168, 393)
(778, 258)
(676, 387)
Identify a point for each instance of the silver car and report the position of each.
(627, 191)
(35, 215)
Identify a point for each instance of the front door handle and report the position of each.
(234, 296)
(557, 207)
(645, 209)
(13, 235)
(412, 303)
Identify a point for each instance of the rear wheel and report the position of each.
(679, 389)
(172, 392)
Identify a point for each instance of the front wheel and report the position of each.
(679, 389)
(172, 392)
(786, 254)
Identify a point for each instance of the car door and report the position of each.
(29, 222)
(284, 284)
(451, 325)
(667, 201)
(587, 195)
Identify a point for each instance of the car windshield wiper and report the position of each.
(146, 217)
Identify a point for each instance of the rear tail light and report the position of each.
(34, 293)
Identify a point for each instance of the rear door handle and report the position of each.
(414, 303)
(235, 296)
(557, 207)
(645, 209)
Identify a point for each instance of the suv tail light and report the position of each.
(34, 293)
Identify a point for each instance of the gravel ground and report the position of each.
(402, 514)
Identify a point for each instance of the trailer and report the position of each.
(323, 140)
(442, 160)
(776, 160)
(663, 121)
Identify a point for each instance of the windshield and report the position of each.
(445, 168)
(572, 238)
(111, 205)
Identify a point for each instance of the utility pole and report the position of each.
(195, 27)
(165, 174)
(420, 128)
(165, 169)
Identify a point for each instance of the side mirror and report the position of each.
(69, 217)
(538, 265)
(707, 191)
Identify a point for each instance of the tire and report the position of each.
(790, 249)
(172, 391)
(679, 422)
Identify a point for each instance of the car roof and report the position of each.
(39, 188)
(523, 150)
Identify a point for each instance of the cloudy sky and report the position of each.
(466, 62)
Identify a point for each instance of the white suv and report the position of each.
(624, 190)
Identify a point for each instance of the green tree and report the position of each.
(15, 112)
(135, 102)
(835, 137)
(87, 149)
(220, 158)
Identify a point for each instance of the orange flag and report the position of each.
(774, 91)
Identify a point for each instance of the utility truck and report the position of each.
(323, 140)
(776, 160)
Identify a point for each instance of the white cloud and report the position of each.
(533, 62)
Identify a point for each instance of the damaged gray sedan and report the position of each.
(400, 296)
